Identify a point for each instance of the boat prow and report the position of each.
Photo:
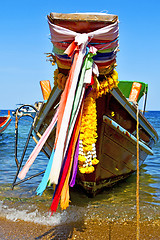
(87, 126)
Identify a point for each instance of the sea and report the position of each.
(114, 204)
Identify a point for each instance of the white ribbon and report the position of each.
(59, 33)
(60, 147)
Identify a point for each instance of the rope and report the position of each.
(137, 192)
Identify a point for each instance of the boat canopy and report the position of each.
(125, 88)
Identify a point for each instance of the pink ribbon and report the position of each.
(38, 147)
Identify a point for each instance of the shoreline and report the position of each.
(89, 229)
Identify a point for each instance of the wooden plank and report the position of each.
(132, 111)
(82, 23)
(90, 17)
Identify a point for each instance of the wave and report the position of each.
(44, 218)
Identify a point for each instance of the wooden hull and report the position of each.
(4, 122)
(117, 156)
(116, 116)
(116, 143)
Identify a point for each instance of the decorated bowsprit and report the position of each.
(87, 127)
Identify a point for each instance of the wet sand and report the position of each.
(87, 230)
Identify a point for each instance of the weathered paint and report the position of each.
(122, 130)
(5, 123)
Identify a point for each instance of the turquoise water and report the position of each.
(115, 204)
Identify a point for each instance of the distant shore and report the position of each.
(89, 230)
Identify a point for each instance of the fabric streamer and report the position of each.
(42, 186)
(65, 190)
(58, 157)
(59, 187)
(74, 118)
(80, 92)
(38, 147)
(59, 146)
(64, 97)
(87, 64)
(75, 165)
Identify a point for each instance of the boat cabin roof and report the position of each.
(125, 88)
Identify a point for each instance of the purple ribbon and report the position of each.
(75, 165)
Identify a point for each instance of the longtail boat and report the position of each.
(5, 121)
(88, 124)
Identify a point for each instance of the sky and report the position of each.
(24, 40)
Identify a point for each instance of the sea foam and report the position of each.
(36, 216)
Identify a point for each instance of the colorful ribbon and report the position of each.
(84, 54)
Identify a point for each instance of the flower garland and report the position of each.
(60, 79)
(87, 158)
(107, 84)
(88, 135)
(88, 132)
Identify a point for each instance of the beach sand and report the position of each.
(87, 230)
